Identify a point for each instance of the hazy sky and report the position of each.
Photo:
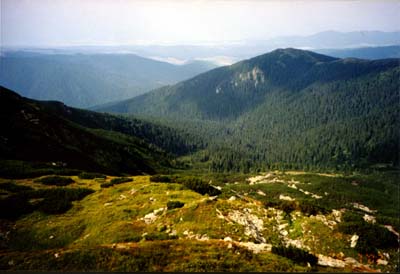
(105, 22)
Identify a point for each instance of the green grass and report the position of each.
(84, 234)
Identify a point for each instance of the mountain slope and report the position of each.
(84, 80)
(289, 108)
(227, 92)
(36, 131)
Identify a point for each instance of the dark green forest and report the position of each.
(286, 109)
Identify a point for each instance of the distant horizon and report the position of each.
(61, 23)
(190, 44)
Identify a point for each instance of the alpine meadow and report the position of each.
(194, 136)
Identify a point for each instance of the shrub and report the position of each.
(371, 236)
(55, 180)
(12, 187)
(305, 207)
(349, 216)
(91, 175)
(57, 201)
(295, 254)
(174, 204)
(116, 181)
(160, 179)
(159, 237)
(200, 186)
(14, 206)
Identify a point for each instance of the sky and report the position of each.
(141, 22)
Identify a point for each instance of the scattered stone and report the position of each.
(51, 237)
(337, 214)
(315, 196)
(364, 208)
(354, 240)
(212, 198)
(172, 233)
(387, 256)
(328, 261)
(87, 235)
(260, 192)
(256, 248)
(282, 226)
(369, 219)
(132, 191)
(151, 199)
(351, 261)
(152, 217)
(391, 229)
(381, 262)
(229, 245)
(283, 232)
(203, 237)
(232, 198)
(326, 193)
(122, 197)
(56, 255)
(108, 204)
(228, 239)
(286, 198)
(296, 243)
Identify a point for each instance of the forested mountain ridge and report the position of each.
(289, 108)
(84, 80)
(51, 132)
(228, 92)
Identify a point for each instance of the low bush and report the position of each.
(174, 204)
(200, 186)
(349, 216)
(371, 236)
(160, 179)
(14, 206)
(51, 201)
(295, 254)
(116, 181)
(91, 175)
(12, 187)
(305, 207)
(55, 180)
(159, 237)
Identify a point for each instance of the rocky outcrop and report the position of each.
(353, 240)
(253, 226)
(328, 261)
(152, 216)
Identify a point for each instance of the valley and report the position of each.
(284, 162)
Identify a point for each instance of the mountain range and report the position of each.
(83, 80)
(289, 106)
